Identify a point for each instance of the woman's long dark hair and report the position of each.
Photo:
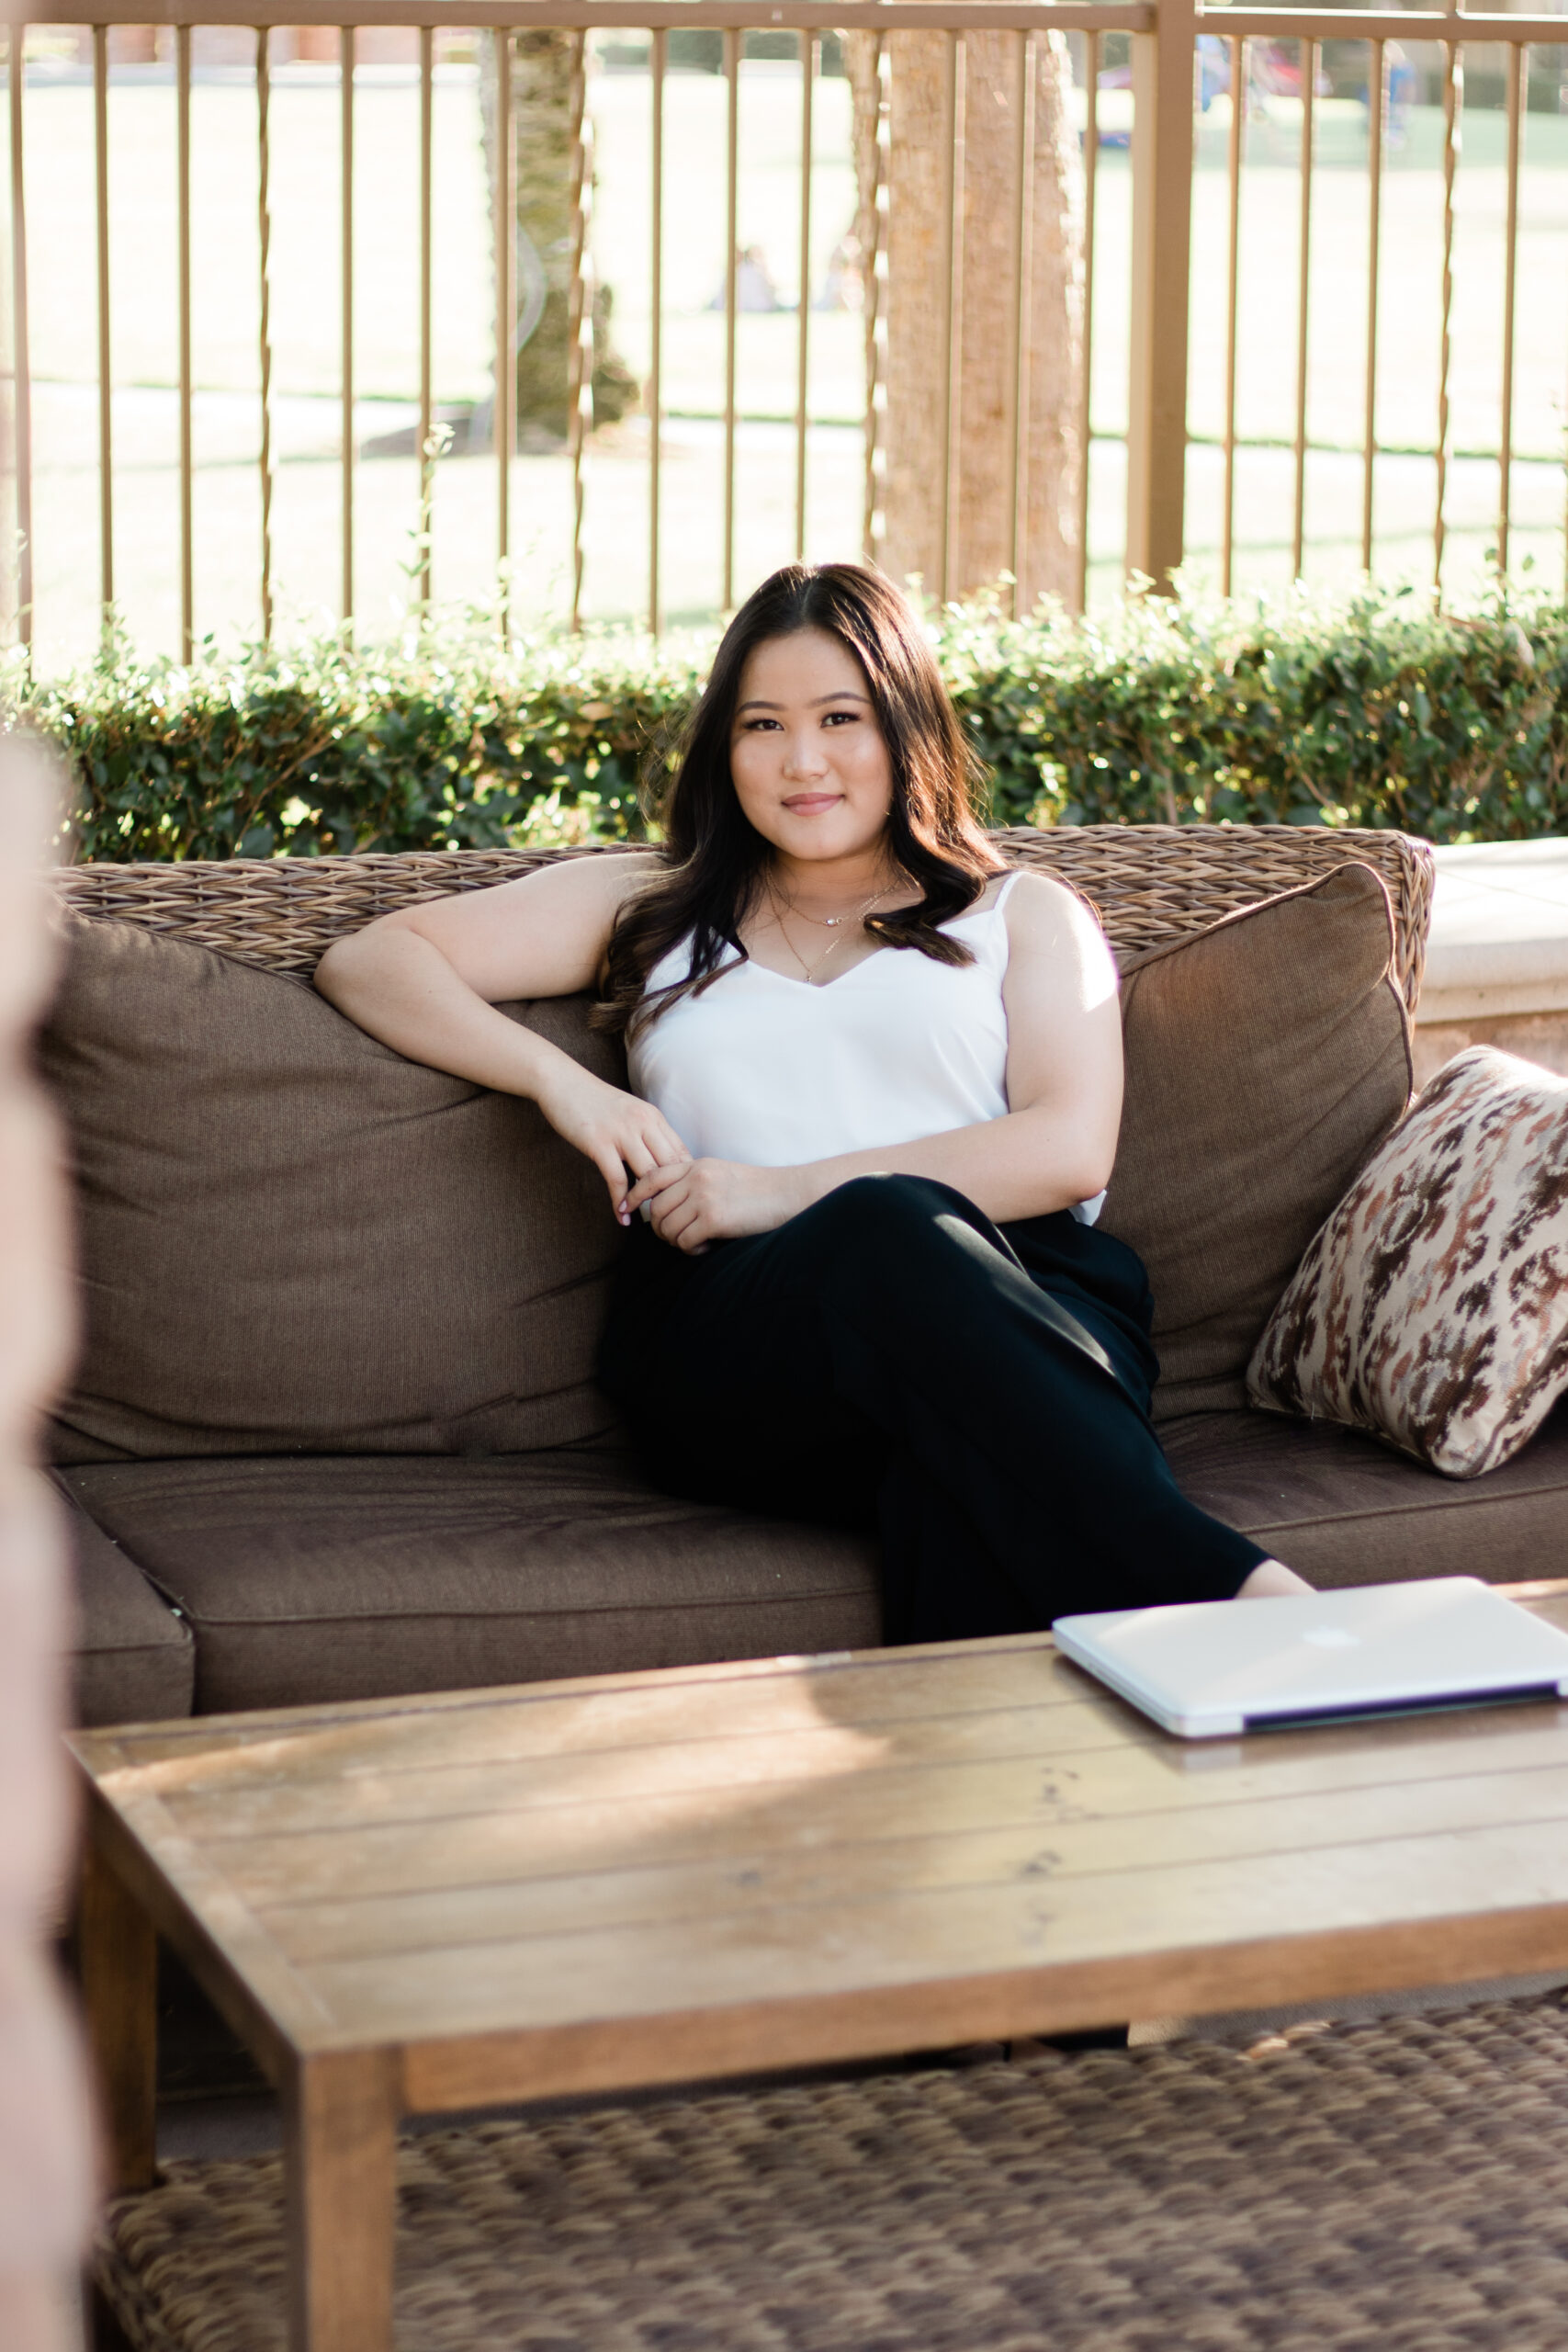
(715, 858)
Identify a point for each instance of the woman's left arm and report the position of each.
(1054, 1148)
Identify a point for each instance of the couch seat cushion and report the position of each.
(1342, 1510)
(135, 1660)
(326, 1578)
(1266, 1057)
(291, 1239)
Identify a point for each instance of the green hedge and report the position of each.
(1375, 710)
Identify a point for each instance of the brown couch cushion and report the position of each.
(135, 1660)
(292, 1239)
(1342, 1509)
(1266, 1057)
(332, 1578)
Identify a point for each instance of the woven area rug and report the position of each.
(1400, 2186)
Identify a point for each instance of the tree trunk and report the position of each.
(541, 136)
(953, 523)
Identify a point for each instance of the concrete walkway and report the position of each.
(1497, 963)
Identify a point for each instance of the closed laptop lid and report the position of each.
(1205, 1668)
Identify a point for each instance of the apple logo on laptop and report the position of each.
(1332, 1637)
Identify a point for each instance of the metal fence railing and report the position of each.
(1378, 29)
(1166, 40)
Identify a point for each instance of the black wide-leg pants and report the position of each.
(977, 1394)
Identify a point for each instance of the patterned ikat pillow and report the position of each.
(1432, 1309)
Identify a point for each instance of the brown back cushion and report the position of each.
(1266, 1057)
(294, 1240)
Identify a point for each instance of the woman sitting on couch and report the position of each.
(876, 1082)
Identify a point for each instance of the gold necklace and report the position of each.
(832, 922)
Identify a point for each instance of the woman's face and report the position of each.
(809, 761)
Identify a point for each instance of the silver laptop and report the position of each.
(1205, 1669)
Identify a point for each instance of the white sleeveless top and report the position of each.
(773, 1073)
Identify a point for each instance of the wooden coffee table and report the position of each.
(409, 1905)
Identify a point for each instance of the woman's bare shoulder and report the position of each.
(612, 874)
(598, 878)
(1057, 944)
(1039, 906)
(591, 887)
(543, 934)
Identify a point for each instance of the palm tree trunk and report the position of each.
(541, 135)
(1009, 500)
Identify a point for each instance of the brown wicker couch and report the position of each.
(333, 1431)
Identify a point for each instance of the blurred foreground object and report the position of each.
(45, 2133)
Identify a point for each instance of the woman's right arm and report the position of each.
(427, 981)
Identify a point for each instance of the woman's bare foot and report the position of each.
(1272, 1580)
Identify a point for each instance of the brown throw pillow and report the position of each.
(1267, 1056)
(1432, 1309)
(291, 1239)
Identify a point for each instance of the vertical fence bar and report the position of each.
(809, 47)
(731, 233)
(1232, 279)
(426, 417)
(1023, 324)
(505, 322)
(1308, 51)
(1086, 377)
(871, 313)
(1516, 70)
(346, 93)
(188, 469)
(263, 93)
(1454, 90)
(1162, 254)
(16, 70)
(1377, 108)
(106, 380)
(953, 293)
(654, 396)
(579, 308)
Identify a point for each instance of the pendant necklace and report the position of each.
(834, 923)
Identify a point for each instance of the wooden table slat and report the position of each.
(808, 1755)
(858, 1808)
(335, 1928)
(788, 1955)
(933, 2012)
(493, 1724)
(1066, 1712)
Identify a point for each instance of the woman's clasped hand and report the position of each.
(626, 1137)
(693, 1202)
(644, 1163)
